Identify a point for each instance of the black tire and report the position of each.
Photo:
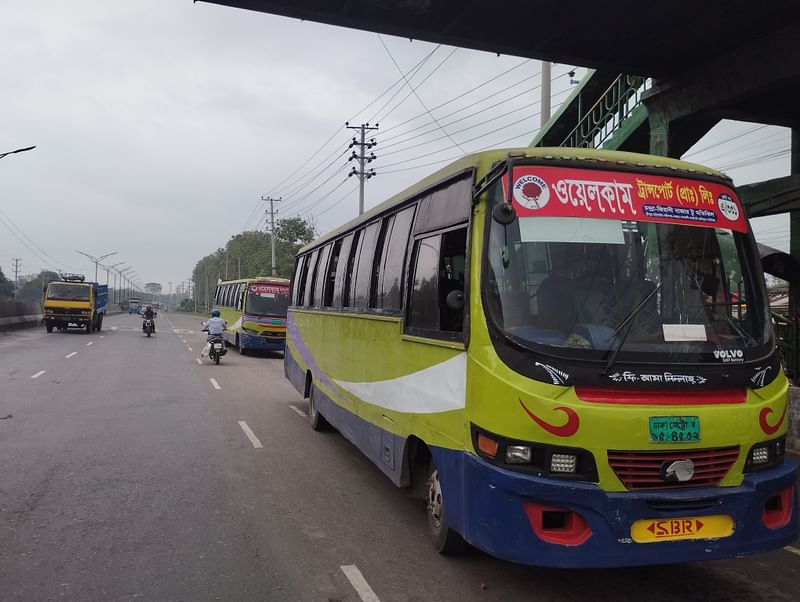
(49, 327)
(99, 322)
(148, 334)
(216, 359)
(240, 347)
(88, 328)
(315, 418)
(444, 539)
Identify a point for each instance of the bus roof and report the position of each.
(486, 159)
(262, 279)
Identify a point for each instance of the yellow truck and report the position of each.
(72, 302)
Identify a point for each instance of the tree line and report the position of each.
(249, 254)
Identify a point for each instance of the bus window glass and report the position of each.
(424, 291)
(363, 266)
(266, 300)
(320, 276)
(386, 228)
(341, 271)
(311, 272)
(452, 270)
(297, 280)
(584, 287)
(391, 276)
(330, 274)
(446, 206)
(355, 249)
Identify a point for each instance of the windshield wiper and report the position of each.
(625, 321)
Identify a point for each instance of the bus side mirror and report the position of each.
(504, 214)
(454, 300)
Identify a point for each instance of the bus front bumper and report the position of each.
(560, 523)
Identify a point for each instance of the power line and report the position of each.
(415, 92)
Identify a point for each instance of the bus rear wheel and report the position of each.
(444, 539)
(240, 346)
(49, 327)
(315, 419)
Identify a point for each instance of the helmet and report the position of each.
(148, 307)
(215, 313)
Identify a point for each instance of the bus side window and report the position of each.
(338, 289)
(297, 280)
(439, 269)
(330, 275)
(424, 306)
(302, 298)
(362, 269)
(320, 276)
(390, 278)
(386, 227)
(240, 293)
(355, 248)
(216, 296)
(310, 277)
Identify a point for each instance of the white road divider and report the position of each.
(66, 357)
(38, 374)
(298, 411)
(215, 384)
(250, 434)
(360, 584)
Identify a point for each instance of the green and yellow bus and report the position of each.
(255, 310)
(545, 344)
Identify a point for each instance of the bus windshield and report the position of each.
(68, 292)
(588, 288)
(267, 300)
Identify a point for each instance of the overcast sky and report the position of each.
(159, 124)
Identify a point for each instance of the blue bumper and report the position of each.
(488, 510)
(254, 341)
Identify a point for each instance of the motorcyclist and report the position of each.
(214, 327)
(149, 314)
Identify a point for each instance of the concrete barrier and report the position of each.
(16, 314)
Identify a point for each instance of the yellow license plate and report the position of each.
(691, 527)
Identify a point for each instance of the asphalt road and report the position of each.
(127, 473)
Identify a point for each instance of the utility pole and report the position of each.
(363, 159)
(17, 261)
(271, 213)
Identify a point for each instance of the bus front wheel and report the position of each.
(445, 540)
(315, 419)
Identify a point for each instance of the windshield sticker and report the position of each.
(570, 192)
(559, 377)
(531, 192)
(665, 377)
(760, 376)
(684, 332)
(729, 356)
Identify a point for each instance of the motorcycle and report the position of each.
(216, 348)
(148, 327)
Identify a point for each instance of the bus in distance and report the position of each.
(567, 353)
(255, 310)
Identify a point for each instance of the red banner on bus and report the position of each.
(268, 289)
(569, 192)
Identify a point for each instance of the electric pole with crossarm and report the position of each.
(363, 146)
(271, 212)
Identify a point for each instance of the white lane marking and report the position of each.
(792, 550)
(189, 348)
(250, 434)
(102, 336)
(215, 384)
(66, 357)
(299, 411)
(199, 361)
(184, 340)
(113, 328)
(38, 374)
(90, 343)
(360, 584)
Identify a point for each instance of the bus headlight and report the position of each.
(534, 458)
(566, 463)
(518, 454)
(765, 455)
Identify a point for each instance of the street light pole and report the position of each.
(97, 260)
